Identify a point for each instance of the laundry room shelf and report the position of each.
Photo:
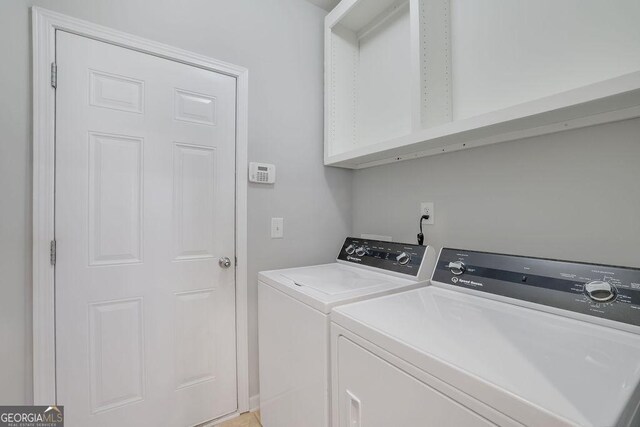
(607, 101)
(388, 90)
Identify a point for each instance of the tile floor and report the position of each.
(250, 419)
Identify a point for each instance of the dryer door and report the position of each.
(374, 393)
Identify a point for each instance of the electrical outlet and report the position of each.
(428, 208)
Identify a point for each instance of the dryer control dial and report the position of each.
(600, 291)
(362, 251)
(456, 267)
(403, 258)
(350, 249)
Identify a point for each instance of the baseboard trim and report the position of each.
(220, 420)
(254, 403)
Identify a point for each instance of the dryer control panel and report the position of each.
(604, 291)
(404, 258)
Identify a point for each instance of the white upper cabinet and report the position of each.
(412, 78)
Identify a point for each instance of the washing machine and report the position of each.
(495, 340)
(293, 321)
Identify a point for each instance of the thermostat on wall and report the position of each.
(262, 173)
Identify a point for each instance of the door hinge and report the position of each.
(54, 75)
(52, 252)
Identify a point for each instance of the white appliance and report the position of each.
(497, 340)
(293, 319)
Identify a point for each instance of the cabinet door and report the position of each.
(374, 393)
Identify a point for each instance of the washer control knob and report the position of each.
(456, 267)
(403, 258)
(600, 291)
(350, 250)
(362, 251)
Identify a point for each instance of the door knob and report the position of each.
(224, 262)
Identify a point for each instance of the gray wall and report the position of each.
(572, 195)
(280, 41)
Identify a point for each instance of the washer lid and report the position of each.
(325, 286)
(330, 280)
(515, 359)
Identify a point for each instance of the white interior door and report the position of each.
(145, 177)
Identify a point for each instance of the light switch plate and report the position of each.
(277, 228)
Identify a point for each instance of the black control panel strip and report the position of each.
(544, 282)
(405, 258)
(604, 291)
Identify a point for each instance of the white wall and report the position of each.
(280, 41)
(508, 52)
(571, 195)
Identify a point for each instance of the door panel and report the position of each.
(193, 200)
(116, 324)
(115, 199)
(145, 178)
(195, 363)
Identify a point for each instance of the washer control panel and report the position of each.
(402, 258)
(604, 291)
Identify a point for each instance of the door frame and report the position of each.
(45, 23)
